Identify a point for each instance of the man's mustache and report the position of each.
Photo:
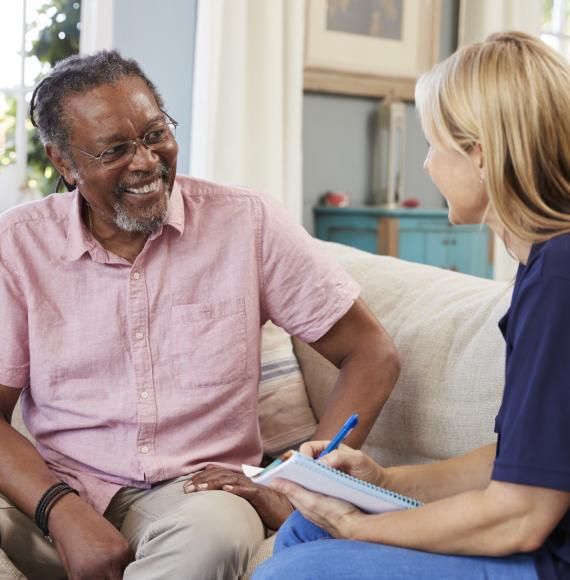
(161, 171)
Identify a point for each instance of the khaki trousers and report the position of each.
(199, 536)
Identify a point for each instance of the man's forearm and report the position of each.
(363, 386)
(24, 476)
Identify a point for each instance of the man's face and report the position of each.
(133, 197)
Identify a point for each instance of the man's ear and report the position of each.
(62, 164)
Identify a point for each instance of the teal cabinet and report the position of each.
(424, 236)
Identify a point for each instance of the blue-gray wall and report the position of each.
(338, 141)
(160, 36)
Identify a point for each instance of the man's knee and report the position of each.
(228, 528)
(212, 535)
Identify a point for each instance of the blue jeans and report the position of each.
(305, 552)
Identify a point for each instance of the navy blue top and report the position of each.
(533, 423)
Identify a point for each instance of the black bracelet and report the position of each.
(46, 503)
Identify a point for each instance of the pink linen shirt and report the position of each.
(132, 374)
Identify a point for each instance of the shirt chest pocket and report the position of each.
(208, 343)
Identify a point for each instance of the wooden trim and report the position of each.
(388, 235)
(329, 79)
(491, 247)
(346, 83)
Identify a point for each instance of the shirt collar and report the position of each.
(79, 240)
(175, 215)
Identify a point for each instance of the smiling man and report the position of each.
(131, 310)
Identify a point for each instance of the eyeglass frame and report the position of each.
(135, 141)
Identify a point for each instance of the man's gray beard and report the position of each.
(147, 222)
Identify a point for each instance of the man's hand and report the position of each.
(272, 506)
(90, 548)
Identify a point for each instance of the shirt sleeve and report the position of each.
(14, 351)
(534, 420)
(303, 289)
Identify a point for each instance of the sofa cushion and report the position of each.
(285, 415)
(18, 423)
(444, 325)
(8, 570)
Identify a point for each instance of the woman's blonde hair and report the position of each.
(511, 94)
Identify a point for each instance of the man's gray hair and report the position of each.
(77, 74)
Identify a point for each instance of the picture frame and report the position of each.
(372, 48)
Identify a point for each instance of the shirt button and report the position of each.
(144, 449)
(139, 335)
(137, 276)
(144, 395)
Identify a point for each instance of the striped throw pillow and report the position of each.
(285, 415)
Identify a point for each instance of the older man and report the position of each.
(131, 310)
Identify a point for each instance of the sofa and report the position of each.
(444, 325)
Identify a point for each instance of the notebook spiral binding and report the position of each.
(364, 486)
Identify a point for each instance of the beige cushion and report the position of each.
(18, 423)
(8, 570)
(264, 551)
(285, 415)
(444, 325)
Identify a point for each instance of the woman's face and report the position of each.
(459, 178)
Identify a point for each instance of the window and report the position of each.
(34, 34)
(556, 25)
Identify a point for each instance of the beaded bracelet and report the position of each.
(46, 503)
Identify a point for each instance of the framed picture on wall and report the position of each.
(370, 47)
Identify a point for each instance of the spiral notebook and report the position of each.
(320, 478)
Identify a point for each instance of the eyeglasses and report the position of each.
(121, 154)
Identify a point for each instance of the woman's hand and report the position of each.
(339, 518)
(346, 459)
(272, 507)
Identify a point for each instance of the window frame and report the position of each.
(557, 32)
(19, 91)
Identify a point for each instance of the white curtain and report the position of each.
(248, 91)
(96, 25)
(478, 19)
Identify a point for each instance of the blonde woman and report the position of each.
(497, 117)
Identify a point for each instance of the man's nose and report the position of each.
(144, 158)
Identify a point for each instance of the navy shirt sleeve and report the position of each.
(534, 420)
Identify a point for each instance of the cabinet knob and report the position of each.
(445, 242)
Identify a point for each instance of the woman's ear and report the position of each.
(62, 164)
(478, 155)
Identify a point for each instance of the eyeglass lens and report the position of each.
(122, 153)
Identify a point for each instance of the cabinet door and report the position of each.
(442, 250)
(358, 232)
(459, 251)
(475, 253)
(412, 246)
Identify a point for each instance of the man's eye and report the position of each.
(155, 136)
(115, 152)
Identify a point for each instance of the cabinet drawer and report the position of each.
(361, 233)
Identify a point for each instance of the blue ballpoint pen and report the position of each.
(351, 422)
